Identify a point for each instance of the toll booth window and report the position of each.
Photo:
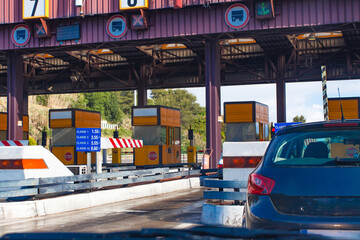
(240, 132)
(151, 135)
(163, 135)
(266, 132)
(177, 136)
(63, 137)
(171, 136)
(257, 129)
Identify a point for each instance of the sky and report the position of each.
(301, 98)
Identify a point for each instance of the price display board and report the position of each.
(88, 139)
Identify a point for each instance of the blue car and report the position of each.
(308, 180)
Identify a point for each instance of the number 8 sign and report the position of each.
(35, 9)
(133, 4)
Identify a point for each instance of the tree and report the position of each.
(191, 113)
(300, 118)
(178, 98)
(126, 101)
(107, 103)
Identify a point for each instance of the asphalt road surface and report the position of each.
(177, 210)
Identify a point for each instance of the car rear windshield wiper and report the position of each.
(347, 160)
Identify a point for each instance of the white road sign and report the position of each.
(133, 4)
(35, 9)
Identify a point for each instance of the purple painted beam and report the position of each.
(212, 78)
(12, 9)
(197, 20)
(15, 96)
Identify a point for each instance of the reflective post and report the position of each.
(104, 156)
(88, 162)
(212, 78)
(15, 96)
(98, 162)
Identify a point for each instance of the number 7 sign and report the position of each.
(35, 9)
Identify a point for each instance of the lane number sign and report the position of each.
(33, 9)
(20, 35)
(237, 16)
(133, 4)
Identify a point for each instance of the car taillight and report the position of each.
(220, 166)
(260, 185)
(241, 162)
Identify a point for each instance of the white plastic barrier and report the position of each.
(26, 162)
(242, 149)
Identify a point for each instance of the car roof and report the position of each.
(346, 124)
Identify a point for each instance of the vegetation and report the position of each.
(115, 107)
(300, 118)
(191, 113)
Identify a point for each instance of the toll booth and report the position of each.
(350, 106)
(246, 121)
(159, 128)
(63, 123)
(3, 126)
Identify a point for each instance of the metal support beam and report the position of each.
(212, 78)
(141, 88)
(281, 90)
(15, 96)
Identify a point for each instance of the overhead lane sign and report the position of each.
(237, 16)
(33, 9)
(133, 4)
(116, 26)
(20, 35)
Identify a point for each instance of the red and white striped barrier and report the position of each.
(120, 143)
(9, 143)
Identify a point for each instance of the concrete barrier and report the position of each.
(37, 208)
(222, 215)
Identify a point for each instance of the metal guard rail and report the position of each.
(41, 186)
(224, 195)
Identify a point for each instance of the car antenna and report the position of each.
(342, 112)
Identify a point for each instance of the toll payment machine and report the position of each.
(3, 126)
(246, 121)
(64, 123)
(159, 128)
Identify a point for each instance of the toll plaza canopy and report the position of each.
(60, 46)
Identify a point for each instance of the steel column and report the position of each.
(15, 96)
(141, 88)
(281, 90)
(212, 78)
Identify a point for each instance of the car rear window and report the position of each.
(316, 148)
